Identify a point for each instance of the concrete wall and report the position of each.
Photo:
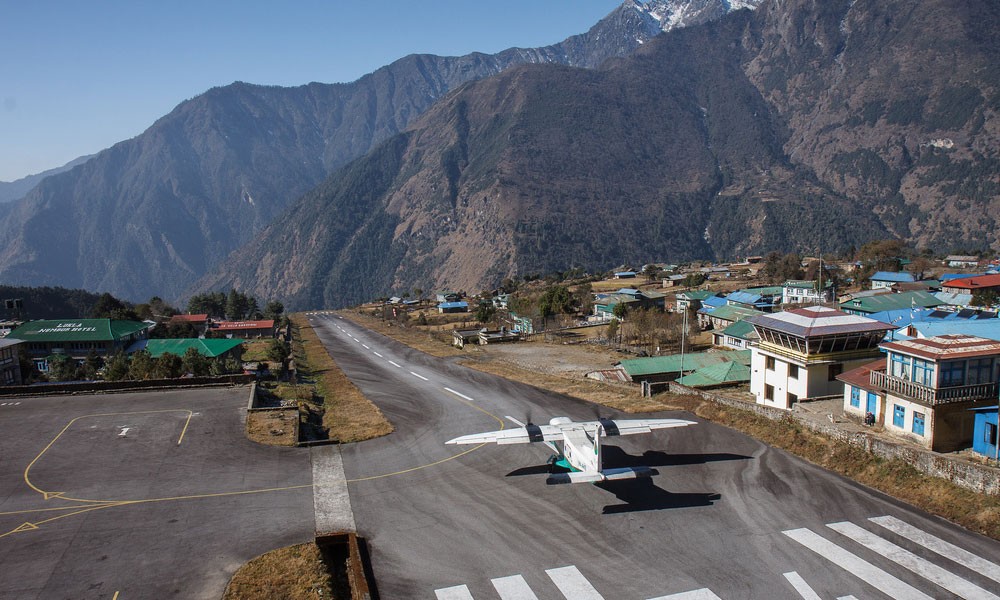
(980, 478)
(114, 386)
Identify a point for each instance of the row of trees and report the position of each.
(234, 306)
(649, 329)
(139, 366)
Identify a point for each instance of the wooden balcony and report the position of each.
(933, 396)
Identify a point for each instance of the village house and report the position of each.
(925, 389)
(802, 351)
(691, 300)
(199, 322)
(738, 336)
(805, 292)
(10, 366)
(972, 285)
(76, 338)
(244, 329)
(886, 279)
(961, 262)
(984, 431)
(867, 305)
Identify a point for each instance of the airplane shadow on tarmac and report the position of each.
(642, 494)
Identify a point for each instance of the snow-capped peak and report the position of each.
(671, 14)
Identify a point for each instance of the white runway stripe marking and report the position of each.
(459, 394)
(873, 576)
(376, 354)
(801, 586)
(936, 544)
(847, 598)
(903, 557)
(419, 375)
(702, 594)
(513, 588)
(459, 592)
(395, 364)
(573, 584)
(366, 346)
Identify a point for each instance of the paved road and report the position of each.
(153, 495)
(728, 517)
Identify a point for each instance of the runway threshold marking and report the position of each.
(573, 584)
(461, 398)
(908, 560)
(939, 546)
(872, 575)
(801, 586)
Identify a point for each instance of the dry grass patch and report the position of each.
(277, 427)
(347, 415)
(291, 573)
(435, 343)
(624, 399)
(974, 511)
(255, 350)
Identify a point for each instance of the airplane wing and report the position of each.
(518, 435)
(614, 427)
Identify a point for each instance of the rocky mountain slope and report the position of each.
(806, 125)
(152, 214)
(17, 189)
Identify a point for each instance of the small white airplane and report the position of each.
(579, 445)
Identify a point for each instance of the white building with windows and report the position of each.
(805, 292)
(926, 389)
(802, 351)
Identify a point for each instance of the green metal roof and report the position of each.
(672, 364)
(76, 330)
(770, 290)
(731, 312)
(806, 284)
(207, 347)
(739, 329)
(696, 294)
(729, 372)
(874, 304)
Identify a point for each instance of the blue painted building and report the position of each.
(984, 431)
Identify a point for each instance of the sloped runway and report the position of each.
(727, 517)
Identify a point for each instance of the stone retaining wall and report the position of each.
(122, 386)
(980, 478)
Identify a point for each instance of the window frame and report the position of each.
(898, 416)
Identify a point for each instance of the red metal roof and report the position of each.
(950, 346)
(233, 325)
(860, 377)
(188, 318)
(974, 283)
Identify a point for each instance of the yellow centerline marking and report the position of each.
(443, 460)
(183, 431)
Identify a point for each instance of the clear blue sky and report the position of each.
(77, 77)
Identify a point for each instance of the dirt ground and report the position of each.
(570, 360)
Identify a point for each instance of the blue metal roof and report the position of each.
(986, 328)
(901, 277)
(462, 304)
(950, 276)
(744, 298)
(714, 302)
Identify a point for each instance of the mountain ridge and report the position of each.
(151, 214)
(543, 168)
